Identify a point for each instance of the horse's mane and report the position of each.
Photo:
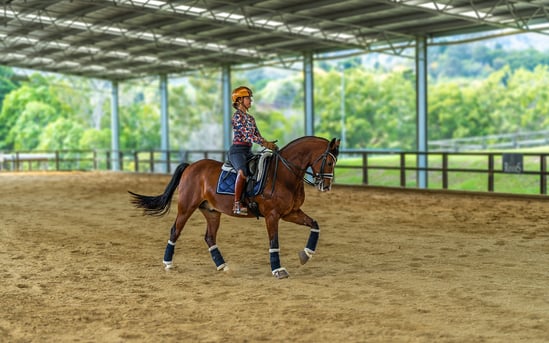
(298, 140)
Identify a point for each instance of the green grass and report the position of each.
(467, 180)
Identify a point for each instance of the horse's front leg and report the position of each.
(274, 248)
(299, 217)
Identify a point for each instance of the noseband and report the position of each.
(321, 176)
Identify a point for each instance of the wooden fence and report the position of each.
(492, 142)
(367, 167)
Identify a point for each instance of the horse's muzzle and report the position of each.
(321, 183)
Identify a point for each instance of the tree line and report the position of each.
(492, 93)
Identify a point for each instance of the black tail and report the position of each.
(159, 205)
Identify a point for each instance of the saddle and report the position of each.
(257, 166)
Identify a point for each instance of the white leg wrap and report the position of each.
(168, 264)
(309, 252)
(223, 267)
(274, 250)
(279, 270)
(213, 247)
(170, 242)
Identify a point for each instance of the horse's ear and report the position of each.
(334, 143)
(334, 146)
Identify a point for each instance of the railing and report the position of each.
(521, 173)
(524, 173)
(492, 142)
(147, 161)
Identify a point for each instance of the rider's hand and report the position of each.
(270, 145)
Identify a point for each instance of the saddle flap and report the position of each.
(262, 164)
(227, 177)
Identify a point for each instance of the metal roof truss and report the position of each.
(122, 39)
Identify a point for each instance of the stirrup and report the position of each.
(237, 209)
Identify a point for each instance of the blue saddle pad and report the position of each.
(225, 184)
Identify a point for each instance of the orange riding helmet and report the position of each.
(240, 92)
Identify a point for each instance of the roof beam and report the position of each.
(131, 38)
(519, 15)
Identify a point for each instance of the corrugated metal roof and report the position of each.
(133, 38)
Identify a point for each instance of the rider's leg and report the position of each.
(238, 189)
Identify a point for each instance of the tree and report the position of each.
(196, 113)
(25, 133)
(279, 110)
(379, 109)
(7, 83)
(61, 134)
(139, 127)
(26, 111)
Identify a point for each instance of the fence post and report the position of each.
(136, 161)
(16, 162)
(445, 170)
(490, 172)
(57, 160)
(151, 161)
(108, 160)
(365, 168)
(542, 174)
(403, 169)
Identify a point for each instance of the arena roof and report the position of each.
(124, 39)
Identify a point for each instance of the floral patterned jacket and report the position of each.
(245, 130)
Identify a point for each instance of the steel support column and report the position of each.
(115, 128)
(164, 122)
(308, 88)
(227, 108)
(421, 111)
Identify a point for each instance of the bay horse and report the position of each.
(281, 198)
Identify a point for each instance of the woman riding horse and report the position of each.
(282, 197)
(245, 133)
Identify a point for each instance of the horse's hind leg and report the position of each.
(213, 219)
(175, 232)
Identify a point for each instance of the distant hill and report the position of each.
(511, 43)
(520, 42)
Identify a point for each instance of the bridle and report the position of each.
(318, 178)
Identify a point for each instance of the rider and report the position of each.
(245, 133)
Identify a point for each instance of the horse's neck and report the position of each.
(299, 156)
(302, 151)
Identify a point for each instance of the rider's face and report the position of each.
(247, 102)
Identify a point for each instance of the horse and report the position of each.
(282, 196)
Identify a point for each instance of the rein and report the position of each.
(318, 178)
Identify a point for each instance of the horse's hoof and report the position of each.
(168, 265)
(280, 273)
(303, 257)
